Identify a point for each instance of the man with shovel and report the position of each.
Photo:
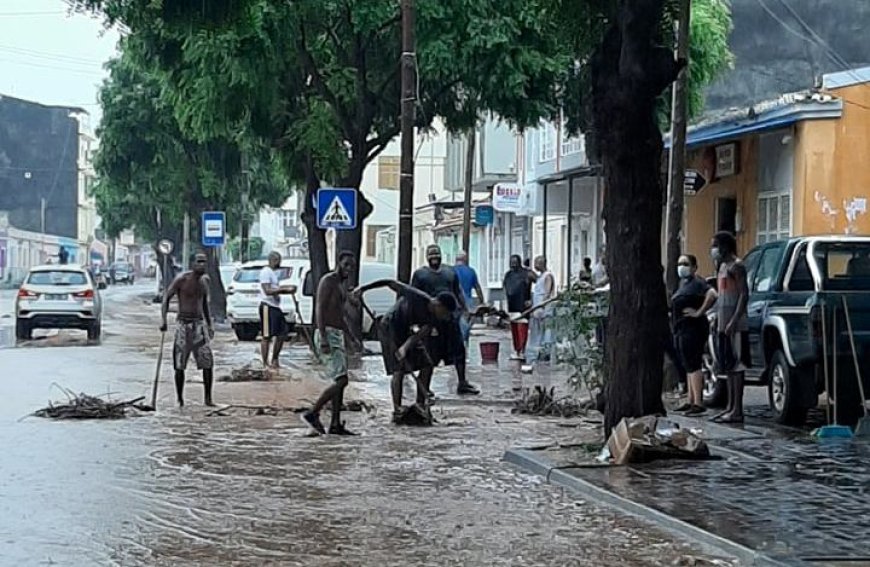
(193, 330)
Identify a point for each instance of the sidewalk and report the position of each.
(781, 496)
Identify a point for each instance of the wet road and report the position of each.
(181, 488)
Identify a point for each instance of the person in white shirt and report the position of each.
(543, 292)
(599, 272)
(272, 323)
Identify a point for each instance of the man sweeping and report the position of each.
(329, 312)
(193, 329)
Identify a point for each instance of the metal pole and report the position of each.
(406, 184)
(677, 161)
(185, 244)
(471, 139)
(42, 224)
(570, 228)
(544, 251)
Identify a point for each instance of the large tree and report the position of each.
(149, 174)
(625, 61)
(319, 78)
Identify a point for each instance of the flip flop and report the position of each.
(718, 417)
(733, 420)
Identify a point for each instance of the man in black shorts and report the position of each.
(404, 331)
(272, 323)
(193, 331)
(446, 342)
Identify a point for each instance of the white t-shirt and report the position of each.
(599, 275)
(269, 276)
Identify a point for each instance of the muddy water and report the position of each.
(181, 488)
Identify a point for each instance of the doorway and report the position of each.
(726, 214)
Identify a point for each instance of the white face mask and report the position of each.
(684, 271)
(714, 252)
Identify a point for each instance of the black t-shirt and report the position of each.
(690, 294)
(432, 282)
(518, 289)
(408, 311)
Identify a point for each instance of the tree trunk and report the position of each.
(317, 253)
(629, 72)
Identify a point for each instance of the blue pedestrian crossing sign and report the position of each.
(336, 208)
(214, 228)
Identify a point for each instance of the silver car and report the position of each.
(58, 297)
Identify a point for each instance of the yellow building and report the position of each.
(797, 165)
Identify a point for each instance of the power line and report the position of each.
(50, 56)
(52, 67)
(44, 13)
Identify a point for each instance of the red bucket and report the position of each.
(489, 351)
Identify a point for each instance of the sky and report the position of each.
(51, 57)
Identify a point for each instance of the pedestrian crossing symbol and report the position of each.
(336, 208)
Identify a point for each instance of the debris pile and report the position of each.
(414, 416)
(541, 401)
(83, 406)
(649, 438)
(246, 374)
(275, 411)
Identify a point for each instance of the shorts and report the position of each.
(732, 352)
(336, 360)
(272, 322)
(392, 335)
(191, 337)
(447, 345)
(690, 349)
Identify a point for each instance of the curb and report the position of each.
(529, 461)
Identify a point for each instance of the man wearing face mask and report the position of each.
(732, 340)
(446, 343)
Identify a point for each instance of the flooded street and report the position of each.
(180, 487)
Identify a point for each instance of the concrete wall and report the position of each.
(831, 169)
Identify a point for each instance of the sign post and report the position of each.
(336, 208)
(214, 225)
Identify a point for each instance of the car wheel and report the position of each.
(715, 392)
(23, 332)
(784, 391)
(246, 332)
(95, 330)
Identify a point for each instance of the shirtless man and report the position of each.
(404, 330)
(193, 330)
(332, 298)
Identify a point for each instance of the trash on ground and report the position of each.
(83, 406)
(649, 438)
(247, 373)
(275, 411)
(541, 401)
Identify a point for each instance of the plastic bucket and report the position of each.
(489, 351)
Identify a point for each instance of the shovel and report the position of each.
(153, 406)
(862, 428)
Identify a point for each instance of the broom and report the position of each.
(836, 430)
(862, 428)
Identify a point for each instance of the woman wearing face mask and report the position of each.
(690, 304)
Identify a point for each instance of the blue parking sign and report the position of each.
(214, 228)
(336, 208)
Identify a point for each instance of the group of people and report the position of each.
(429, 324)
(689, 307)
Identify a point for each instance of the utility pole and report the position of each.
(185, 241)
(471, 138)
(677, 161)
(42, 226)
(243, 233)
(409, 99)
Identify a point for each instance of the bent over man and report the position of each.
(332, 298)
(193, 330)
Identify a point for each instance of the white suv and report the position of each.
(243, 302)
(58, 297)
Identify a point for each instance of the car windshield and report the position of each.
(252, 275)
(58, 277)
(845, 266)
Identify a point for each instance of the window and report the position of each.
(801, 277)
(288, 217)
(389, 172)
(570, 144)
(750, 262)
(845, 266)
(768, 269)
(372, 239)
(547, 142)
(774, 218)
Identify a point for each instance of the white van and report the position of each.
(243, 302)
(379, 300)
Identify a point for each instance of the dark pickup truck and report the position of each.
(794, 284)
